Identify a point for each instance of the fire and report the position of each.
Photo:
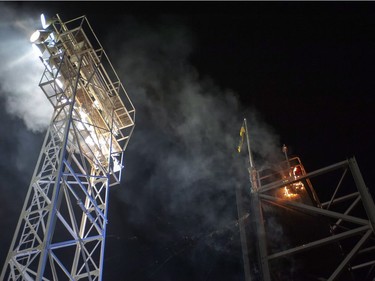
(289, 194)
(293, 190)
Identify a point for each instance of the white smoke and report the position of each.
(181, 155)
(21, 70)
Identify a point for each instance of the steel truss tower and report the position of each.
(340, 200)
(61, 231)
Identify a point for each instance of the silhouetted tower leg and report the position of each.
(256, 215)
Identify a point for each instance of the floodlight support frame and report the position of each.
(61, 232)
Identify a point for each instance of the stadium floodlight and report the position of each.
(46, 22)
(61, 231)
(39, 36)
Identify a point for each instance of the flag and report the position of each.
(242, 135)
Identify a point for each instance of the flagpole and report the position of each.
(252, 170)
(251, 162)
(244, 236)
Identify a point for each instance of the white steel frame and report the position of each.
(61, 231)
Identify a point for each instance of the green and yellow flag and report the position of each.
(242, 135)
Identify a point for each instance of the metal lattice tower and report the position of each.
(334, 222)
(61, 231)
(342, 200)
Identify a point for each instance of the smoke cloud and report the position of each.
(21, 70)
(181, 165)
(187, 128)
(24, 113)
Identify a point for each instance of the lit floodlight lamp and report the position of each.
(46, 22)
(39, 36)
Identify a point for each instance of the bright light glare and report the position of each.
(35, 36)
(41, 36)
(116, 165)
(44, 22)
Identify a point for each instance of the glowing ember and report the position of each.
(288, 193)
(293, 190)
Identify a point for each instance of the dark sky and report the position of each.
(302, 73)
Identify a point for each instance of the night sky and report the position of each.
(302, 73)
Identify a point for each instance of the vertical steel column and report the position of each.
(243, 234)
(256, 208)
(56, 196)
(256, 211)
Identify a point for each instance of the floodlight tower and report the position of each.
(325, 220)
(61, 231)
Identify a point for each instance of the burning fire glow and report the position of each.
(289, 194)
(293, 190)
